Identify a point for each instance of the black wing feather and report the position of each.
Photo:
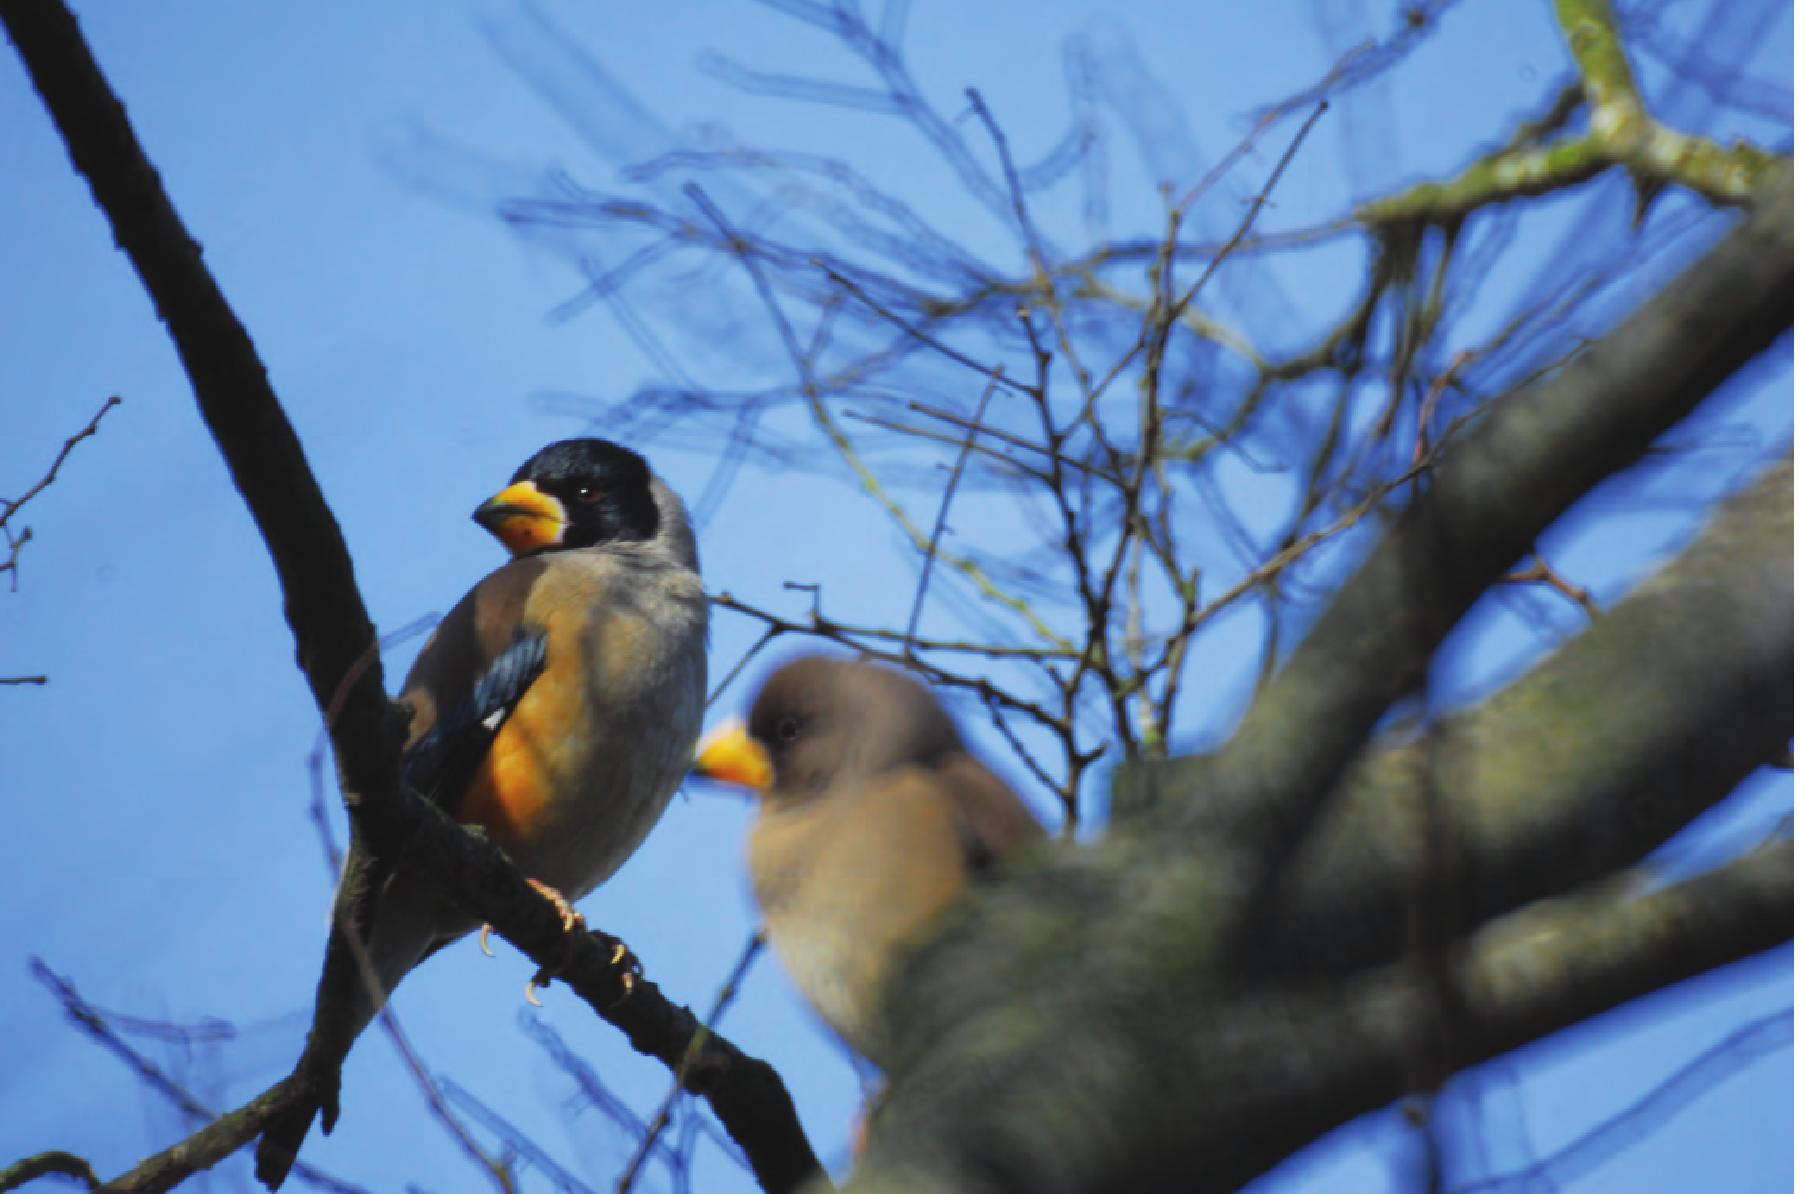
(440, 764)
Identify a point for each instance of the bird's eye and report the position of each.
(587, 495)
(787, 729)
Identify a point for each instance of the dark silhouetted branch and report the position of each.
(335, 641)
(45, 1164)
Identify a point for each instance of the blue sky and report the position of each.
(164, 858)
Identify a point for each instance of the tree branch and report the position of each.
(1506, 480)
(1599, 755)
(1198, 1086)
(44, 1164)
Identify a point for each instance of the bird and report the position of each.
(872, 817)
(556, 708)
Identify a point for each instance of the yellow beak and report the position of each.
(524, 518)
(729, 755)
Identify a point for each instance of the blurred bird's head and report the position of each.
(819, 721)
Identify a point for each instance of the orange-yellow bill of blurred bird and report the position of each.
(872, 817)
(556, 707)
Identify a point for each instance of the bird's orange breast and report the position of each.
(518, 785)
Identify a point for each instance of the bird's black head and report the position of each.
(574, 493)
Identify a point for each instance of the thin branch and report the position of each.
(222, 1135)
(1006, 464)
(516, 1145)
(819, 625)
(943, 516)
(1255, 208)
(768, 636)
(1539, 572)
(1722, 1059)
(497, 1170)
(821, 414)
(45, 1164)
(961, 358)
(11, 506)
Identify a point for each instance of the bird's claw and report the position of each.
(628, 966)
(571, 919)
(571, 922)
(622, 960)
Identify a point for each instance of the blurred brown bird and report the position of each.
(873, 816)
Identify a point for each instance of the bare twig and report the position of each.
(1716, 1063)
(11, 506)
(222, 1135)
(943, 516)
(45, 1164)
(1540, 572)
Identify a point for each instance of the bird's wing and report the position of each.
(440, 763)
(989, 816)
(469, 677)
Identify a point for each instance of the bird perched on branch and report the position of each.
(556, 707)
(872, 817)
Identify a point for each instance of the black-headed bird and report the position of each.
(556, 707)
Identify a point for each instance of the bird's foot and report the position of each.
(571, 922)
(623, 961)
(620, 958)
(571, 919)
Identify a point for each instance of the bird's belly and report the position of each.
(584, 767)
(836, 972)
(848, 883)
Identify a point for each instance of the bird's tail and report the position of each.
(384, 912)
(315, 1092)
(342, 1009)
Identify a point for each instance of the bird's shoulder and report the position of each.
(989, 817)
(468, 640)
